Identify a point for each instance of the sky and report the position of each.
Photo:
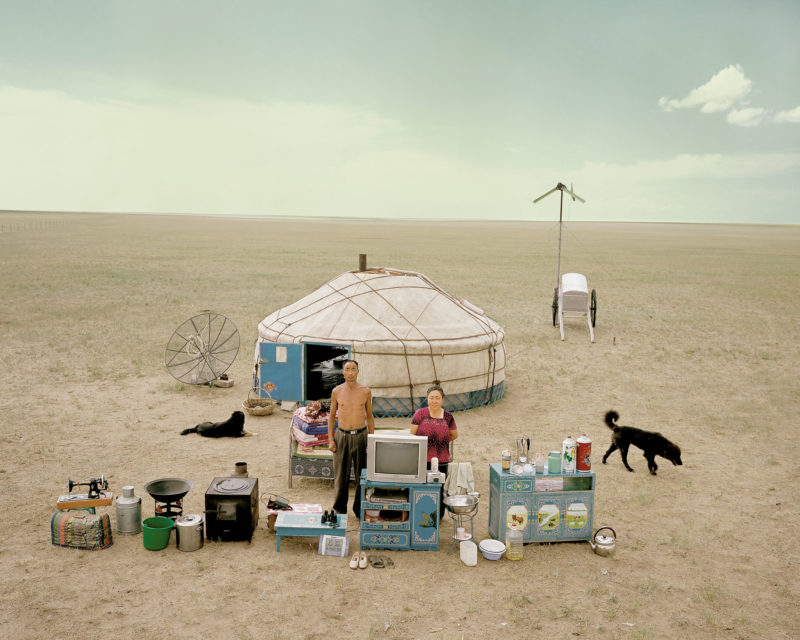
(653, 111)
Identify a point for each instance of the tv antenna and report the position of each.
(560, 187)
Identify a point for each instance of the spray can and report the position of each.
(584, 461)
(568, 455)
(129, 512)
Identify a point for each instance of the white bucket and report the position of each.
(469, 553)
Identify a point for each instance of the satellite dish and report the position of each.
(202, 348)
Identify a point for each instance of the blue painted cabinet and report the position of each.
(399, 516)
(555, 507)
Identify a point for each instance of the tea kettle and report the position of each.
(604, 545)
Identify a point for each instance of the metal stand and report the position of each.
(460, 520)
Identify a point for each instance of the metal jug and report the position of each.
(523, 449)
(604, 545)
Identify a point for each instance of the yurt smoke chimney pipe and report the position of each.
(362, 261)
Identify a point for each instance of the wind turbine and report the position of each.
(574, 299)
(560, 187)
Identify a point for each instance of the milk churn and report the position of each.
(189, 532)
(568, 455)
(584, 462)
(129, 512)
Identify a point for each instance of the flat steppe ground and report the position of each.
(697, 337)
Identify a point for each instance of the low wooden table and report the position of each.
(289, 523)
(82, 501)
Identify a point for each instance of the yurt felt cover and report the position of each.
(406, 333)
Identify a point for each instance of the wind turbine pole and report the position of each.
(560, 215)
(559, 187)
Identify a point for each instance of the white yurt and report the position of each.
(404, 331)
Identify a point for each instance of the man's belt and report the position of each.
(354, 432)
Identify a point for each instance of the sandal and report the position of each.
(387, 562)
(376, 562)
(354, 561)
(362, 560)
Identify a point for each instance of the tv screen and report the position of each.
(397, 458)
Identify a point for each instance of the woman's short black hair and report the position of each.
(434, 387)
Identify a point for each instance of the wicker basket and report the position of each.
(256, 406)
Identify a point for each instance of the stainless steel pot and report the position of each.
(189, 532)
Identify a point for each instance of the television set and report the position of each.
(397, 457)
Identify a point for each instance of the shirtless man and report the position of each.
(349, 444)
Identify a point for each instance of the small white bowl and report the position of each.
(492, 549)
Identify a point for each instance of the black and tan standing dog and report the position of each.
(652, 443)
(233, 427)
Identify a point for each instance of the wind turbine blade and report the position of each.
(545, 195)
(574, 196)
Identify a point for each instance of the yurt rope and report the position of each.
(402, 342)
(487, 332)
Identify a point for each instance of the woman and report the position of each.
(436, 423)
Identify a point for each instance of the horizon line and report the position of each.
(284, 217)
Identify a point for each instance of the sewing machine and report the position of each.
(97, 495)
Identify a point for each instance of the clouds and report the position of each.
(749, 117)
(226, 155)
(792, 115)
(728, 90)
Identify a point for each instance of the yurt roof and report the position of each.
(383, 309)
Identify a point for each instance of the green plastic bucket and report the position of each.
(156, 532)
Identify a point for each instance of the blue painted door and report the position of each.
(281, 365)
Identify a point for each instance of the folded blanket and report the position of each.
(313, 428)
(307, 438)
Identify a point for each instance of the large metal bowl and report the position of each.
(461, 504)
(168, 489)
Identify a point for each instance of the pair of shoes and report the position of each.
(359, 560)
(379, 562)
(376, 562)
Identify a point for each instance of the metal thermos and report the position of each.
(568, 451)
(189, 532)
(129, 512)
(584, 453)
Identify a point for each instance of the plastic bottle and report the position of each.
(469, 553)
(539, 462)
(513, 544)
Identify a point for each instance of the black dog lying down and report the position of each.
(233, 427)
(653, 444)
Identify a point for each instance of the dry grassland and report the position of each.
(697, 337)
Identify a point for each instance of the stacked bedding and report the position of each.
(310, 434)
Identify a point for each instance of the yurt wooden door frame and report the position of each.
(288, 366)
